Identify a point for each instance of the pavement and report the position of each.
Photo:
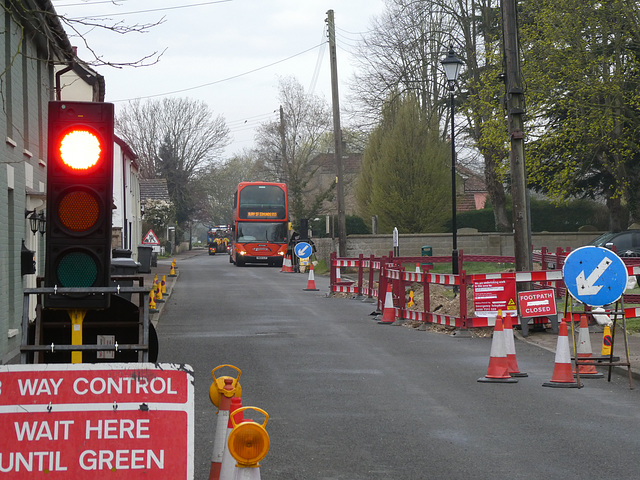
(163, 268)
(544, 338)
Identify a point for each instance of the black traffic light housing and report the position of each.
(79, 200)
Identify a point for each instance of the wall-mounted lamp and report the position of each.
(142, 210)
(37, 222)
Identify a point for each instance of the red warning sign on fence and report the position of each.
(86, 421)
(490, 296)
(537, 303)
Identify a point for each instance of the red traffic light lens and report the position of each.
(80, 149)
(79, 211)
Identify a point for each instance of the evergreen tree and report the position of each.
(405, 177)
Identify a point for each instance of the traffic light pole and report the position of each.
(41, 343)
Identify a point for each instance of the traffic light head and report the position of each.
(79, 199)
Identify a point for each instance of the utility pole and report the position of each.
(337, 135)
(515, 113)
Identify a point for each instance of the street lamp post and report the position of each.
(452, 64)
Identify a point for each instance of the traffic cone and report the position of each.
(152, 303)
(172, 272)
(220, 439)
(338, 279)
(158, 291)
(418, 268)
(498, 371)
(562, 375)
(585, 352)
(286, 264)
(228, 462)
(510, 348)
(311, 283)
(389, 311)
(164, 284)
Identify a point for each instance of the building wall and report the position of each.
(25, 89)
(441, 244)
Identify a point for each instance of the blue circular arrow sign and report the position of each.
(595, 276)
(303, 250)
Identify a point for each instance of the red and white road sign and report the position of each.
(492, 295)
(87, 421)
(537, 303)
(150, 238)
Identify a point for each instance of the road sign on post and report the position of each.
(79, 201)
(595, 276)
(118, 421)
(303, 250)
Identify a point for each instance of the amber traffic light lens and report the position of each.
(80, 149)
(78, 211)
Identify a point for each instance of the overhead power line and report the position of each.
(152, 10)
(223, 79)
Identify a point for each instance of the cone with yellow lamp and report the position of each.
(562, 372)
(248, 444)
(228, 463)
(498, 371)
(222, 391)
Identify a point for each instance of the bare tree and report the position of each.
(41, 17)
(288, 147)
(402, 53)
(175, 138)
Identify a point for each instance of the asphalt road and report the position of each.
(351, 399)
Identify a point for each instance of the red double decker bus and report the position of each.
(261, 223)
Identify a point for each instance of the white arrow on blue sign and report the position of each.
(303, 250)
(595, 276)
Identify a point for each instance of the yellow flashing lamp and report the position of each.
(217, 390)
(248, 441)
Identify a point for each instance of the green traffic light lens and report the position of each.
(77, 269)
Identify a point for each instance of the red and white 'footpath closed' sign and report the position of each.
(89, 421)
(537, 303)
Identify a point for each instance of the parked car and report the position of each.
(626, 243)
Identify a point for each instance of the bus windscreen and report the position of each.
(262, 202)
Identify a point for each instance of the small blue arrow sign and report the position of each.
(303, 250)
(595, 276)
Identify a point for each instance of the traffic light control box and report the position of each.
(79, 201)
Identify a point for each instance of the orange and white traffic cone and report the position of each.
(584, 352)
(287, 267)
(220, 439)
(498, 371)
(418, 268)
(311, 283)
(510, 348)
(228, 462)
(388, 311)
(562, 373)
